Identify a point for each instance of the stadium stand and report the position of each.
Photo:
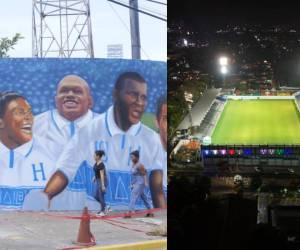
(211, 117)
(297, 98)
(200, 109)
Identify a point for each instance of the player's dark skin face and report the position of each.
(130, 103)
(73, 99)
(16, 124)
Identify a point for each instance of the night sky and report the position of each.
(215, 12)
(207, 16)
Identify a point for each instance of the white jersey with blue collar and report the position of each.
(104, 134)
(57, 131)
(55, 128)
(161, 162)
(22, 169)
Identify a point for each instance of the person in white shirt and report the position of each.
(158, 176)
(24, 161)
(73, 102)
(118, 132)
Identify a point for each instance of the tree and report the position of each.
(6, 44)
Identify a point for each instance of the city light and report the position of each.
(207, 140)
(223, 151)
(247, 151)
(231, 151)
(206, 152)
(188, 97)
(224, 70)
(287, 151)
(185, 42)
(271, 151)
(263, 151)
(223, 61)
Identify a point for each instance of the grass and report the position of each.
(258, 122)
(149, 120)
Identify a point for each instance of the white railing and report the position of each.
(297, 105)
(234, 97)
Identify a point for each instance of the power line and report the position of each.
(157, 2)
(141, 11)
(151, 11)
(127, 28)
(148, 9)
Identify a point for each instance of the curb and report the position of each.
(144, 245)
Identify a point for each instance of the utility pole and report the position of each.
(134, 25)
(134, 30)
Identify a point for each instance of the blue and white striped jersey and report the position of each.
(22, 169)
(162, 163)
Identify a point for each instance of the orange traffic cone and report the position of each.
(85, 237)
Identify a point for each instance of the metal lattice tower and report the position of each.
(61, 28)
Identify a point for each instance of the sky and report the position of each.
(107, 28)
(275, 12)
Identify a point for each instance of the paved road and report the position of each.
(41, 231)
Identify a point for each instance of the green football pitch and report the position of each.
(252, 122)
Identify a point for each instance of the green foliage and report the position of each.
(177, 106)
(177, 109)
(6, 44)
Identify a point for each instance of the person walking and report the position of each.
(138, 184)
(101, 180)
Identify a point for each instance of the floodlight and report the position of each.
(224, 70)
(223, 61)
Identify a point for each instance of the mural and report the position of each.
(54, 115)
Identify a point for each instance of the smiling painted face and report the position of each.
(132, 101)
(73, 98)
(16, 124)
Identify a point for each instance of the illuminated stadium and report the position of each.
(258, 122)
(254, 131)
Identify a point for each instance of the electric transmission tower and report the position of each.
(61, 28)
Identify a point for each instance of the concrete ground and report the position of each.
(58, 230)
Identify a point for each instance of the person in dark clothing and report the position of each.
(101, 181)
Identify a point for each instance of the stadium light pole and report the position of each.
(224, 71)
(223, 61)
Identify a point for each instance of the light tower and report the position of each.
(61, 28)
(223, 61)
